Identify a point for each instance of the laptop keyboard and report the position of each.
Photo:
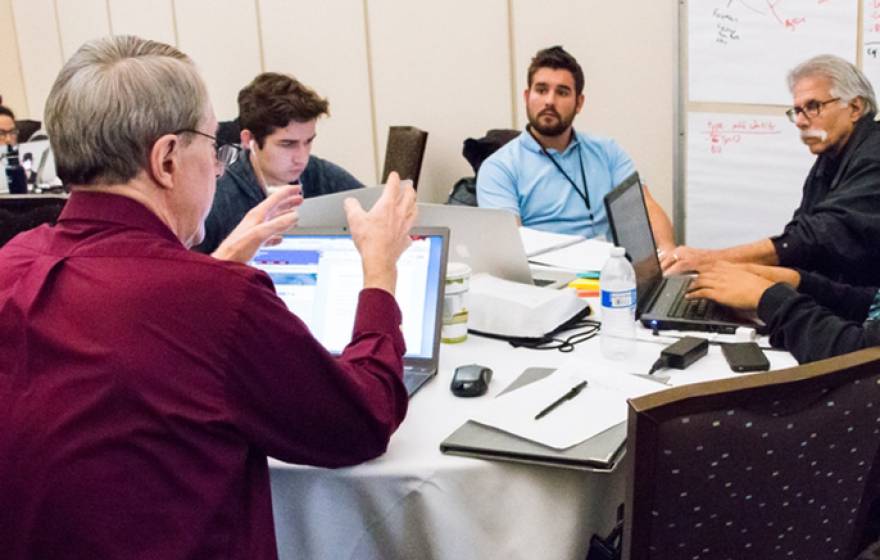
(694, 309)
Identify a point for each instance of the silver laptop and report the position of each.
(39, 163)
(661, 303)
(328, 210)
(317, 273)
(488, 240)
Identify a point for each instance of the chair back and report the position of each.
(20, 213)
(26, 128)
(228, 132)
(404, 153)
(776, 465)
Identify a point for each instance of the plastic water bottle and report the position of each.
(617, 284)
(16, 180)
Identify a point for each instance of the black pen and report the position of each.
(566, 397)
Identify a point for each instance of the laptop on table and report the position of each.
(488, 240)
(328, 210)
(317, 273)
(661, 304)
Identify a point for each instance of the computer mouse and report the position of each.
(471, 380)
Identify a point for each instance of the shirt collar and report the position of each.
(91, 206)
(529, 142)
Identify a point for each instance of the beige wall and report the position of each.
(454, 68)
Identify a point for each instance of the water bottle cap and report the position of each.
(617, 251)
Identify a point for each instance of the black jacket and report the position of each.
(238, 191)
(836, 228)
(822, 319)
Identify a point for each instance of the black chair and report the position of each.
(773, 466)
(228, 132)
(20, 213)
(27, 128)
(404, 153)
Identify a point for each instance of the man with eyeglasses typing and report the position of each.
(835, 229)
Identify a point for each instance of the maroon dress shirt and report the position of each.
(142, 386)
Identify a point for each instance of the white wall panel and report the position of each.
(222, 38)
(444, 67)
(150, 20)
(628, 54)
(324, 45)
(80, 21)
(11, 79)
(39, 48)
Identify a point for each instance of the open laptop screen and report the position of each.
(318, 275)
(626, 210)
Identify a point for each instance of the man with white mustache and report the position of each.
(835, 229)
(551, 176)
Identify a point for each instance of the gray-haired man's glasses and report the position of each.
(225, 154)
(811, 109)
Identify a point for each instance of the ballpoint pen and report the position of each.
(572, 393)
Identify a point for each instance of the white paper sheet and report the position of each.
(745, 175)
(589, 254)
(601, 405)
(536, 241)
(740, 51)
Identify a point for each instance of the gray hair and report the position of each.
(110, 103)
(847, 81)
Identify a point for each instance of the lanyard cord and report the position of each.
(585, 196)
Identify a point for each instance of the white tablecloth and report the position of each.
(415, 502)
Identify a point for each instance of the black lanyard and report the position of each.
(585, 196)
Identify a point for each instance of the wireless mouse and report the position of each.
(471, 380)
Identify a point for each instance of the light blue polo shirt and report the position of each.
(520, 178)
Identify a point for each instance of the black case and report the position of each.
(745, 356)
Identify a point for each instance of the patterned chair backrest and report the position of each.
(776, 465)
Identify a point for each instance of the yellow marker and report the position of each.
(587, 284)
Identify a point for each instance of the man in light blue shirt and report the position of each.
(551, 176)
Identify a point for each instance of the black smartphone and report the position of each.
(745, 356)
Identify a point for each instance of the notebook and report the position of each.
(317, 273)
(599, 453)
(661, 304)
(488, 240)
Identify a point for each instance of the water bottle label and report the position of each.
(621, 299)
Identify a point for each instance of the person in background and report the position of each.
(835, 229)
(551, 176)
(8, 128)
(142, 385)
(278, 117)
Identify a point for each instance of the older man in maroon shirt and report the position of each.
(142, 385)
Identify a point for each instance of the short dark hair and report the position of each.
(4, 110)
(557, 58)
(272, 100)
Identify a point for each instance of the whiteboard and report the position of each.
(745, 176)
(871, 42)
(740, 51)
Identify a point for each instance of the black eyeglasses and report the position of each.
(811, 109)
(200, 133)
(8, 133)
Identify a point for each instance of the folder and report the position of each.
(600, 453)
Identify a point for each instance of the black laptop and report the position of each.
(317, 273)
(661, 303)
